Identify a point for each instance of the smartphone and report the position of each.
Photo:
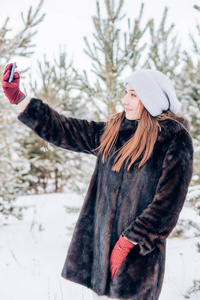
(12, 72)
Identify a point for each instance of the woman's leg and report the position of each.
(97, 297)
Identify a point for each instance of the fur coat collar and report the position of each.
(166, 130)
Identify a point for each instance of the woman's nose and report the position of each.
(125, 100)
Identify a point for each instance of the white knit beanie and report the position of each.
(155, 90)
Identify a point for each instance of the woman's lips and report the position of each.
(126, 109)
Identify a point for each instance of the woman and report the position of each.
(143, 169)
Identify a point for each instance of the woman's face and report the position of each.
(132, 104)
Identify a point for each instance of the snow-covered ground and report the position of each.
(33, 250)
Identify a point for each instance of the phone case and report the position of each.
(12, 72)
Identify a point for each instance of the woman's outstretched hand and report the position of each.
(11, 90)
(119, 253)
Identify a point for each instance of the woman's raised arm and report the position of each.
(68, 133)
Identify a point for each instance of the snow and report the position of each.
(33, 250)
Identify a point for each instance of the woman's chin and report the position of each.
(130, 116)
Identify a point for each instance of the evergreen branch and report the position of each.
(21, 41)
(163, 61)
(110, 11)
(113, 16)
(198, 28)
(195, 45)
(196, 7)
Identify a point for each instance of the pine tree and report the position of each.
(166, 56)
(110, 57)
(188, 86)
(56, 169)
(13, 164)
(164, 53)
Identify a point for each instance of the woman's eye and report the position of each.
(131, 94)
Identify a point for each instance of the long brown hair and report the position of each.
(139, 146)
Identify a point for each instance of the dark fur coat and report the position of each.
(142, 204)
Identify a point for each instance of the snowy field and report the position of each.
(32, 252)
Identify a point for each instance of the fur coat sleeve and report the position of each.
(68, 133)
(160, 217)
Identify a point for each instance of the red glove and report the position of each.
(119, 253)
(11, 90)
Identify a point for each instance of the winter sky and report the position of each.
(67, 21)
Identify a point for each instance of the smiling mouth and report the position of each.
(126, 109)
